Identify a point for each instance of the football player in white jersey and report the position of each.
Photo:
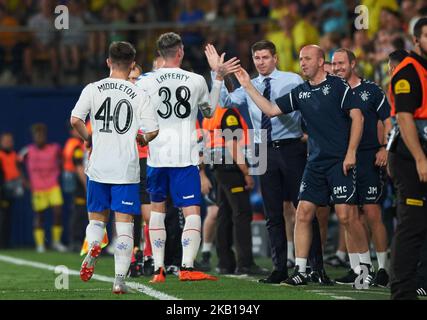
(174, 155)
(117, 110)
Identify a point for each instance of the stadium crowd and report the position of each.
(76, 55)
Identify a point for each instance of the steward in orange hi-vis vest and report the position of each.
(233, 186)
(68, 153)
(11, 186)
(8, 164)
(74, 183)
(223, 119)
(402, 86)
(408, 168)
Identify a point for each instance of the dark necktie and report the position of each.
(265, 120)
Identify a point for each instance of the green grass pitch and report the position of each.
(22, 278)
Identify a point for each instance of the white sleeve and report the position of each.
(208, 101)
(147, 114)
(214, 95)
(139, 83)
(84, 104)
(151, 101)
(234, 99)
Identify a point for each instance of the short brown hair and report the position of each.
(350, 54)
(418, 28)
(138, 67)
(398, 55)
(264, 45)
(168, 44)
(122, 54)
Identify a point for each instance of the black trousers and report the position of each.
(145, 199)
(5, 222)
(281, 182)
(78, 221)
(78, 217)
(174, 224)
(234, 219)
(422, 267)
(411, 229)
(137, 230)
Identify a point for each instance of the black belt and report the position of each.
(282, 142)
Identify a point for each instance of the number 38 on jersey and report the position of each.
(182, 107)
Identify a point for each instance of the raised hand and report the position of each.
(243, 77)
(212, 56)
(228, 67)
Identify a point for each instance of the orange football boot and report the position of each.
(189, 274)
(159, 276)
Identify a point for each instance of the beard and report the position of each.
(423, 52)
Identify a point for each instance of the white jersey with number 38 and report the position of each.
(179, 95)
(117, 110)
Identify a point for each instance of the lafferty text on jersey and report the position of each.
(172, 75)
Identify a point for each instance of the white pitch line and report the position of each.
(51, 290)
(356, 291)
(342, 298)
(133, 285)
(332, 295)
(239, 276)
(319, 292)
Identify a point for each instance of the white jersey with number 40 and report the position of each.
(179, 95)
(117, 110)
